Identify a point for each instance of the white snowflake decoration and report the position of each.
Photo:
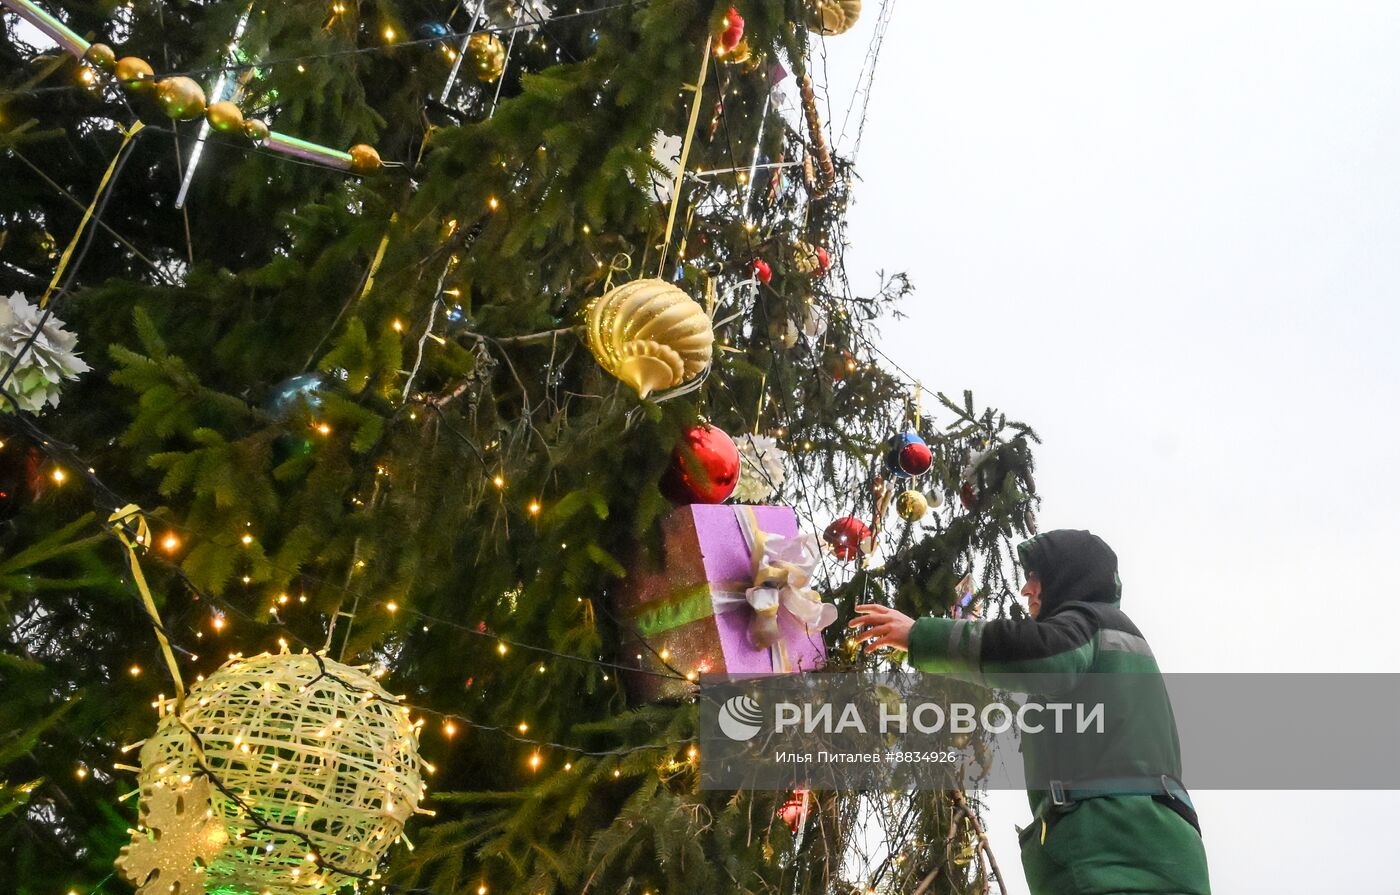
(761, 470)
(51, 358)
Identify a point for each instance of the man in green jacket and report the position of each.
(1131, 829)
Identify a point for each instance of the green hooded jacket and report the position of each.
(1130, 830)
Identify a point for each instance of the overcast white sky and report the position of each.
(1168, 236)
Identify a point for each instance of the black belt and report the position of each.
(1163, 788)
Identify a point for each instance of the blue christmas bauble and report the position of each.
(302, 387)
(431, 30)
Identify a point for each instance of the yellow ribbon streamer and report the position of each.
(130, 527)
(685, 154)
(378, 258)
(127, 134)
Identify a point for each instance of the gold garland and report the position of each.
(819, 147)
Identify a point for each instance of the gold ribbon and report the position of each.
(782, 570)
(130, 527)
(127, 134)
(378, 257)
(685, 154)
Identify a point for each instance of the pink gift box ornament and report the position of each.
(729, 594)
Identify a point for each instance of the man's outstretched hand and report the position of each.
(883, 627)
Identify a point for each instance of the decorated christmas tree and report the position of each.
(413, 328)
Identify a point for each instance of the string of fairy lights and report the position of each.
(684, 752)
(177, 535)
(171, 543)
(393, 41)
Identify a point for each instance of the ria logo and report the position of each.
(740, 717)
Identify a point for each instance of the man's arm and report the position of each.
(993, 653)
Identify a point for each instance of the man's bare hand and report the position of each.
(883, 627)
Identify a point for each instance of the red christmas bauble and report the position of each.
(762, 271)
(915, 458)
(823, 261)
(968, 495)
(21, 477)
(791, 813)
(845, 536)
(704, 467)
(842, 365)
(733, 30)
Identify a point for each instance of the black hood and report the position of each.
(1073, 566)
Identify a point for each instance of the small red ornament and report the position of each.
(823, 261)
(791, 812)
(968, 496)
(762, 271)
(21, 477)
(842, 365)
(845, 536)
(915, 458)
(704, 467)
(733, 30)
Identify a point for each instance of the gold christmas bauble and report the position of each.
(102, 56)
(135, 74)
(832, 16)
(911, 506)
(650, 335)
(364, 159)
(256, 130)
(181, 98)
(487, 55)
(225, 117)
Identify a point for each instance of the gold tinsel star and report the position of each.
(177, 839)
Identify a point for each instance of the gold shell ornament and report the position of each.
(832, 16)
(650, 334)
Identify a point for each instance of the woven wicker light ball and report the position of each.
(832, 16)
(650, 335)
(311, 747)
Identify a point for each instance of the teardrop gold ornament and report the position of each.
(650, 334)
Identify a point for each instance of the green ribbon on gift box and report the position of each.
(689, 604)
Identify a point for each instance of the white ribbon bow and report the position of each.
(785, 568)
